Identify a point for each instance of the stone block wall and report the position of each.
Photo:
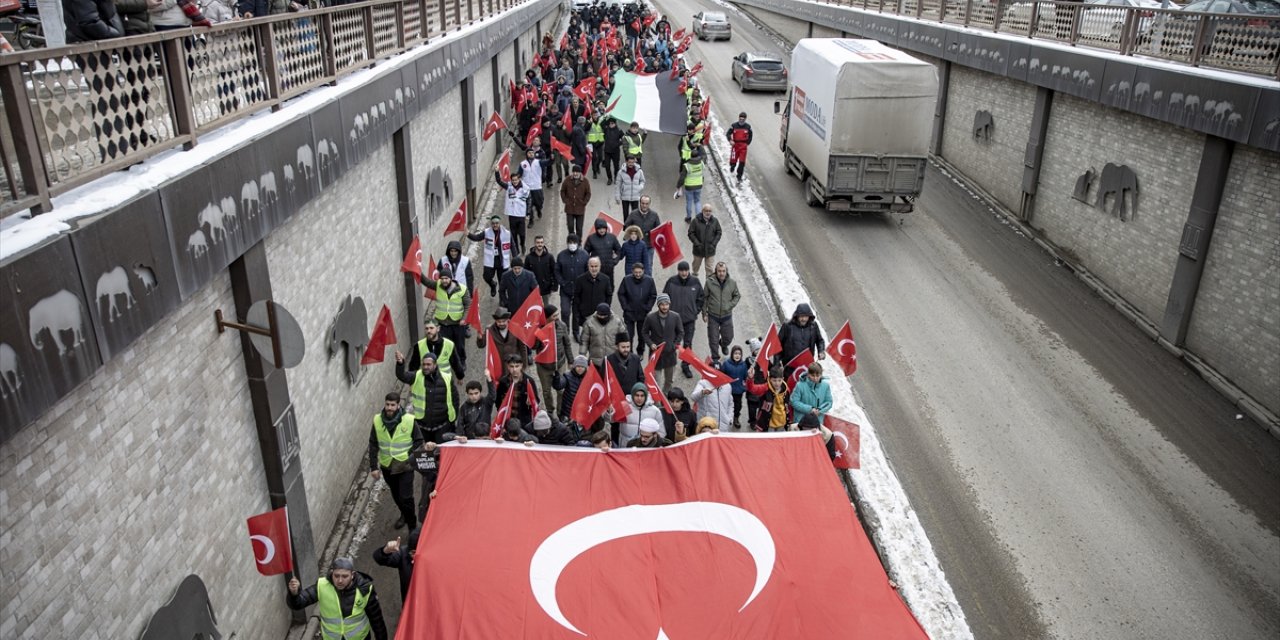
(1236, 322)
(1135, 256)
(995, 161)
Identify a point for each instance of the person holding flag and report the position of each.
(516, 285)
(800, 334)
(774, 413)
(664, 328)
(504, 340)
(557, 332)
(447, 330)
(517, 208)
(531, 176)
(524, 402)
(349, 605)
(713, 401)
(812, 395)
(393, 435)
(627, 366)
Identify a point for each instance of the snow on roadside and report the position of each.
(909, 556)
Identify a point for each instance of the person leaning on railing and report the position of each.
(89, 20)
(260, 8)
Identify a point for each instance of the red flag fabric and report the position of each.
(651, 381)
(844, 350)
(383, 335)
(433, 272)
(706, 108)
(618, 399)
(649, 18)
(694, 71)
(683, 86)
(473, 315)
(504, 414)
(516, 95)
(562, 148)
(848, 442)
(272, 545)
(531, 393)
(635, 24)
(712, 375)
(567, 122)
(799, 367)
(586, 89)
(640, 64)
(611, 105)
(769, 348)
(535, 130)
(582, 42)
(504, 166)
(413, 258)
(458, 223)
(604, 80)
(526, 321)
(693, 538)
(493, 125)
(675, 72)
(564, 41)
(492, 358)
(615, 225)
(664, 243)
(592, 399)
(678, 35)
(684, 44)
(546, 353)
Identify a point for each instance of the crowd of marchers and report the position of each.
(533, 390)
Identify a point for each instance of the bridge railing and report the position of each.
(76, 113)
(1231, 41)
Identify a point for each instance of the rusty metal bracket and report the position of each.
(271, 331)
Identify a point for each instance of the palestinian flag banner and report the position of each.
(650, 99)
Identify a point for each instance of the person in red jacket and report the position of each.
(739, 135)
(774, 413)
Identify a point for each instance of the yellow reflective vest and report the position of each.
(394, 446)
(335, 626)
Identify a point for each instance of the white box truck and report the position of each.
(857, 126)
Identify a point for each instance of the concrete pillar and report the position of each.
(402, 152)
(274, 417)
(1211, 180)
(810, 30)
(940, 108)
(469, 140)
(1031, 160)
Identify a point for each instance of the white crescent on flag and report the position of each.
(267, 545)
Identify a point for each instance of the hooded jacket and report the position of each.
(458, 263)
(346, 598)
(795, 338)
(715, 403)
(634, 251)
(629, 427)
(809, 395)
(599, 338)
(606, 247)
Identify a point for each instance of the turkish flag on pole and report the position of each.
(473, 315)
(546, 336)
(651, 381)
(848, 442)
(492, 359)
(526, 321)
(493, 125)
(694, 71)
(769, 348)
(531, 393)
(716, 377)
(586, 89)
(664, 243)
(433, 272)
(640, 64)
(675, 72)
(384, 335)
(515, 95)
(271, 542)
(693, 538)
(706, 108)
(617, 397)
(535, 130)
(592, 399)
(504, 414)
(799, 366)
(844, 350)
(413, 258)
(615, 225)
(458, 223)
(562, 148)
(504, 166)
(677, 35)
(604, 80)
(564, 41)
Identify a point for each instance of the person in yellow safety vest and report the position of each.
(349, 608)
(393, 437)
(444, 349)
(633, 143)
(691, 184)
(453, 298)
(433, 397)
(690, 141)
(595, 138)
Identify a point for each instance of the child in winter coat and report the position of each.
(738, 369)
(774, 413)
(681, 412)
(476, 412)
(812, 394)
(713, 402)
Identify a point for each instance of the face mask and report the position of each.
(573, 246)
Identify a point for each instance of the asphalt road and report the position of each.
(1075, 479)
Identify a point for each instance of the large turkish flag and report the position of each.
(728, 536)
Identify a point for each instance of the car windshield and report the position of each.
(766, 65)
(714, 17)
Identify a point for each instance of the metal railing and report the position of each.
(76, 113)
(1231, 41)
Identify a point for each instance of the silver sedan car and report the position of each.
(754, 71)
(712, 25)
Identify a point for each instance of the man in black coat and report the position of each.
(516, 285)
(438, 395)
(590, 290)
(687, 298)
(801, 333)
(636, 295)
(571, 263)
(549, 430)
(399, 556)
(348, 583)
(611, 149)
(627, 366)
(543, 266)
(604, 245)
(89, 20)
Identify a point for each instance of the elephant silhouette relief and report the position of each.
(187, 615)
(349, 334)
(1083, 183)
(229, 216)
(270, 195)
(212, 215)
(1117, 181)
(399, 98)
(289, 185)
(57, 314)
(327, 159)
(10, 381)
(113, 285)
(147, 276)
(439, 194)
(197, 244)
(306, 163)
(983, 126)
(250, 199)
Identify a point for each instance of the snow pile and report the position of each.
(910, 558)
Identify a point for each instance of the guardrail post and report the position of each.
(471, 11)
(26, 145)
(400, 39)
(444, 17)
(330, 56)
(370, 47)
(995, 19)
(1075, 23)
(1034, 21)
(267, 54)
(175, 71)
(1127, 33)
(968, 11)
(1198, 42)
(457, 14)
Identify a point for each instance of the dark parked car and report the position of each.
(755, 71)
